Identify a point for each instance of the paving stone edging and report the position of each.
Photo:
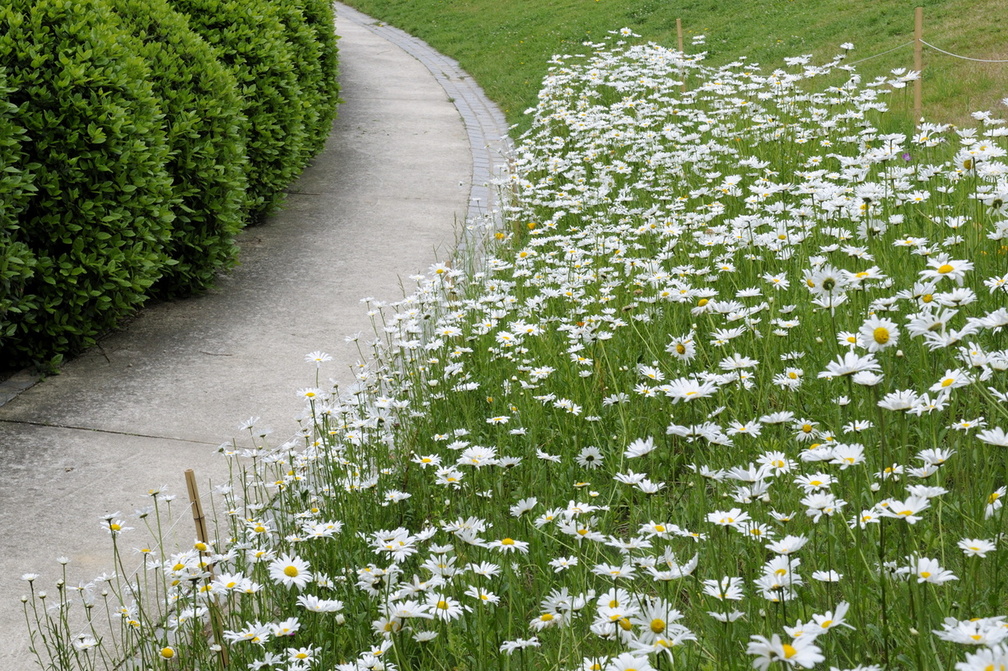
(484, 122)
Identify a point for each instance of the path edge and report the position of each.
(484, 122)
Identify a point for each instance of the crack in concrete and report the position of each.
(92, 429)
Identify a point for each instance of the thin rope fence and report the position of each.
(881, 53)
(965, 58)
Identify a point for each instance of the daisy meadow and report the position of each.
(724, 389)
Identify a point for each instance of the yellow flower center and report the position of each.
(881, 335)
(925, 574)
(945, 268)
(826, 624)
(167, 652)
(702, 302)
(115, 527)
(947, 382)
(660, 528)
(624, 624)
(927, 298)
(291, 571)
(546, 617)
(443, 605)
(789, 651)
(507, 541)
(657, 625)
(680, 348)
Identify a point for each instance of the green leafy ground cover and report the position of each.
(729, 392)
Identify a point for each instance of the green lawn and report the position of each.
(506, 45)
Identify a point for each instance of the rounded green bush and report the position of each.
(251, 41)
(311, 28)
(206, 137)
(101, 214)
(17, 262)
(307, 68)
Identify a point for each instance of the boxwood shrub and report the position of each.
(17, 262)
(307, 68)
(251, 41)
(101, 214)
(206, 138)
(310, 28)
(321, 19)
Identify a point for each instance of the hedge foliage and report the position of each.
(137, 137)
(101, 213)
(206, 140)
(320, 78)
(17, 262)
(252, 41)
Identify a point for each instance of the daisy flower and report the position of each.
(976, 547)
(995, 436)
(943, 267)
(507, 545)
(801, 652)
(926, 569)
(877, 334)
(290, 571)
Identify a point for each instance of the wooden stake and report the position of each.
(201, 535)
(918, 63)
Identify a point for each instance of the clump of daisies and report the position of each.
(727, 391)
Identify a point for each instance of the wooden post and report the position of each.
(918, 63)
(201, 535)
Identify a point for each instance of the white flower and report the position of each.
(801, 652)
(290, 571)
(995, 436)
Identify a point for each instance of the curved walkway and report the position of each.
(412, 152)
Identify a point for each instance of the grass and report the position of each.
(729, 392)
(506, 45)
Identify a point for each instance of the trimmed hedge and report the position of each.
(101, 213)
(137, 137)
(206, 139)
(321, 76)
(17, 263)
(251, 41)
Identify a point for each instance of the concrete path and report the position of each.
(411, 154)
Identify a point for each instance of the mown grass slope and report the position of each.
(506, 45)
